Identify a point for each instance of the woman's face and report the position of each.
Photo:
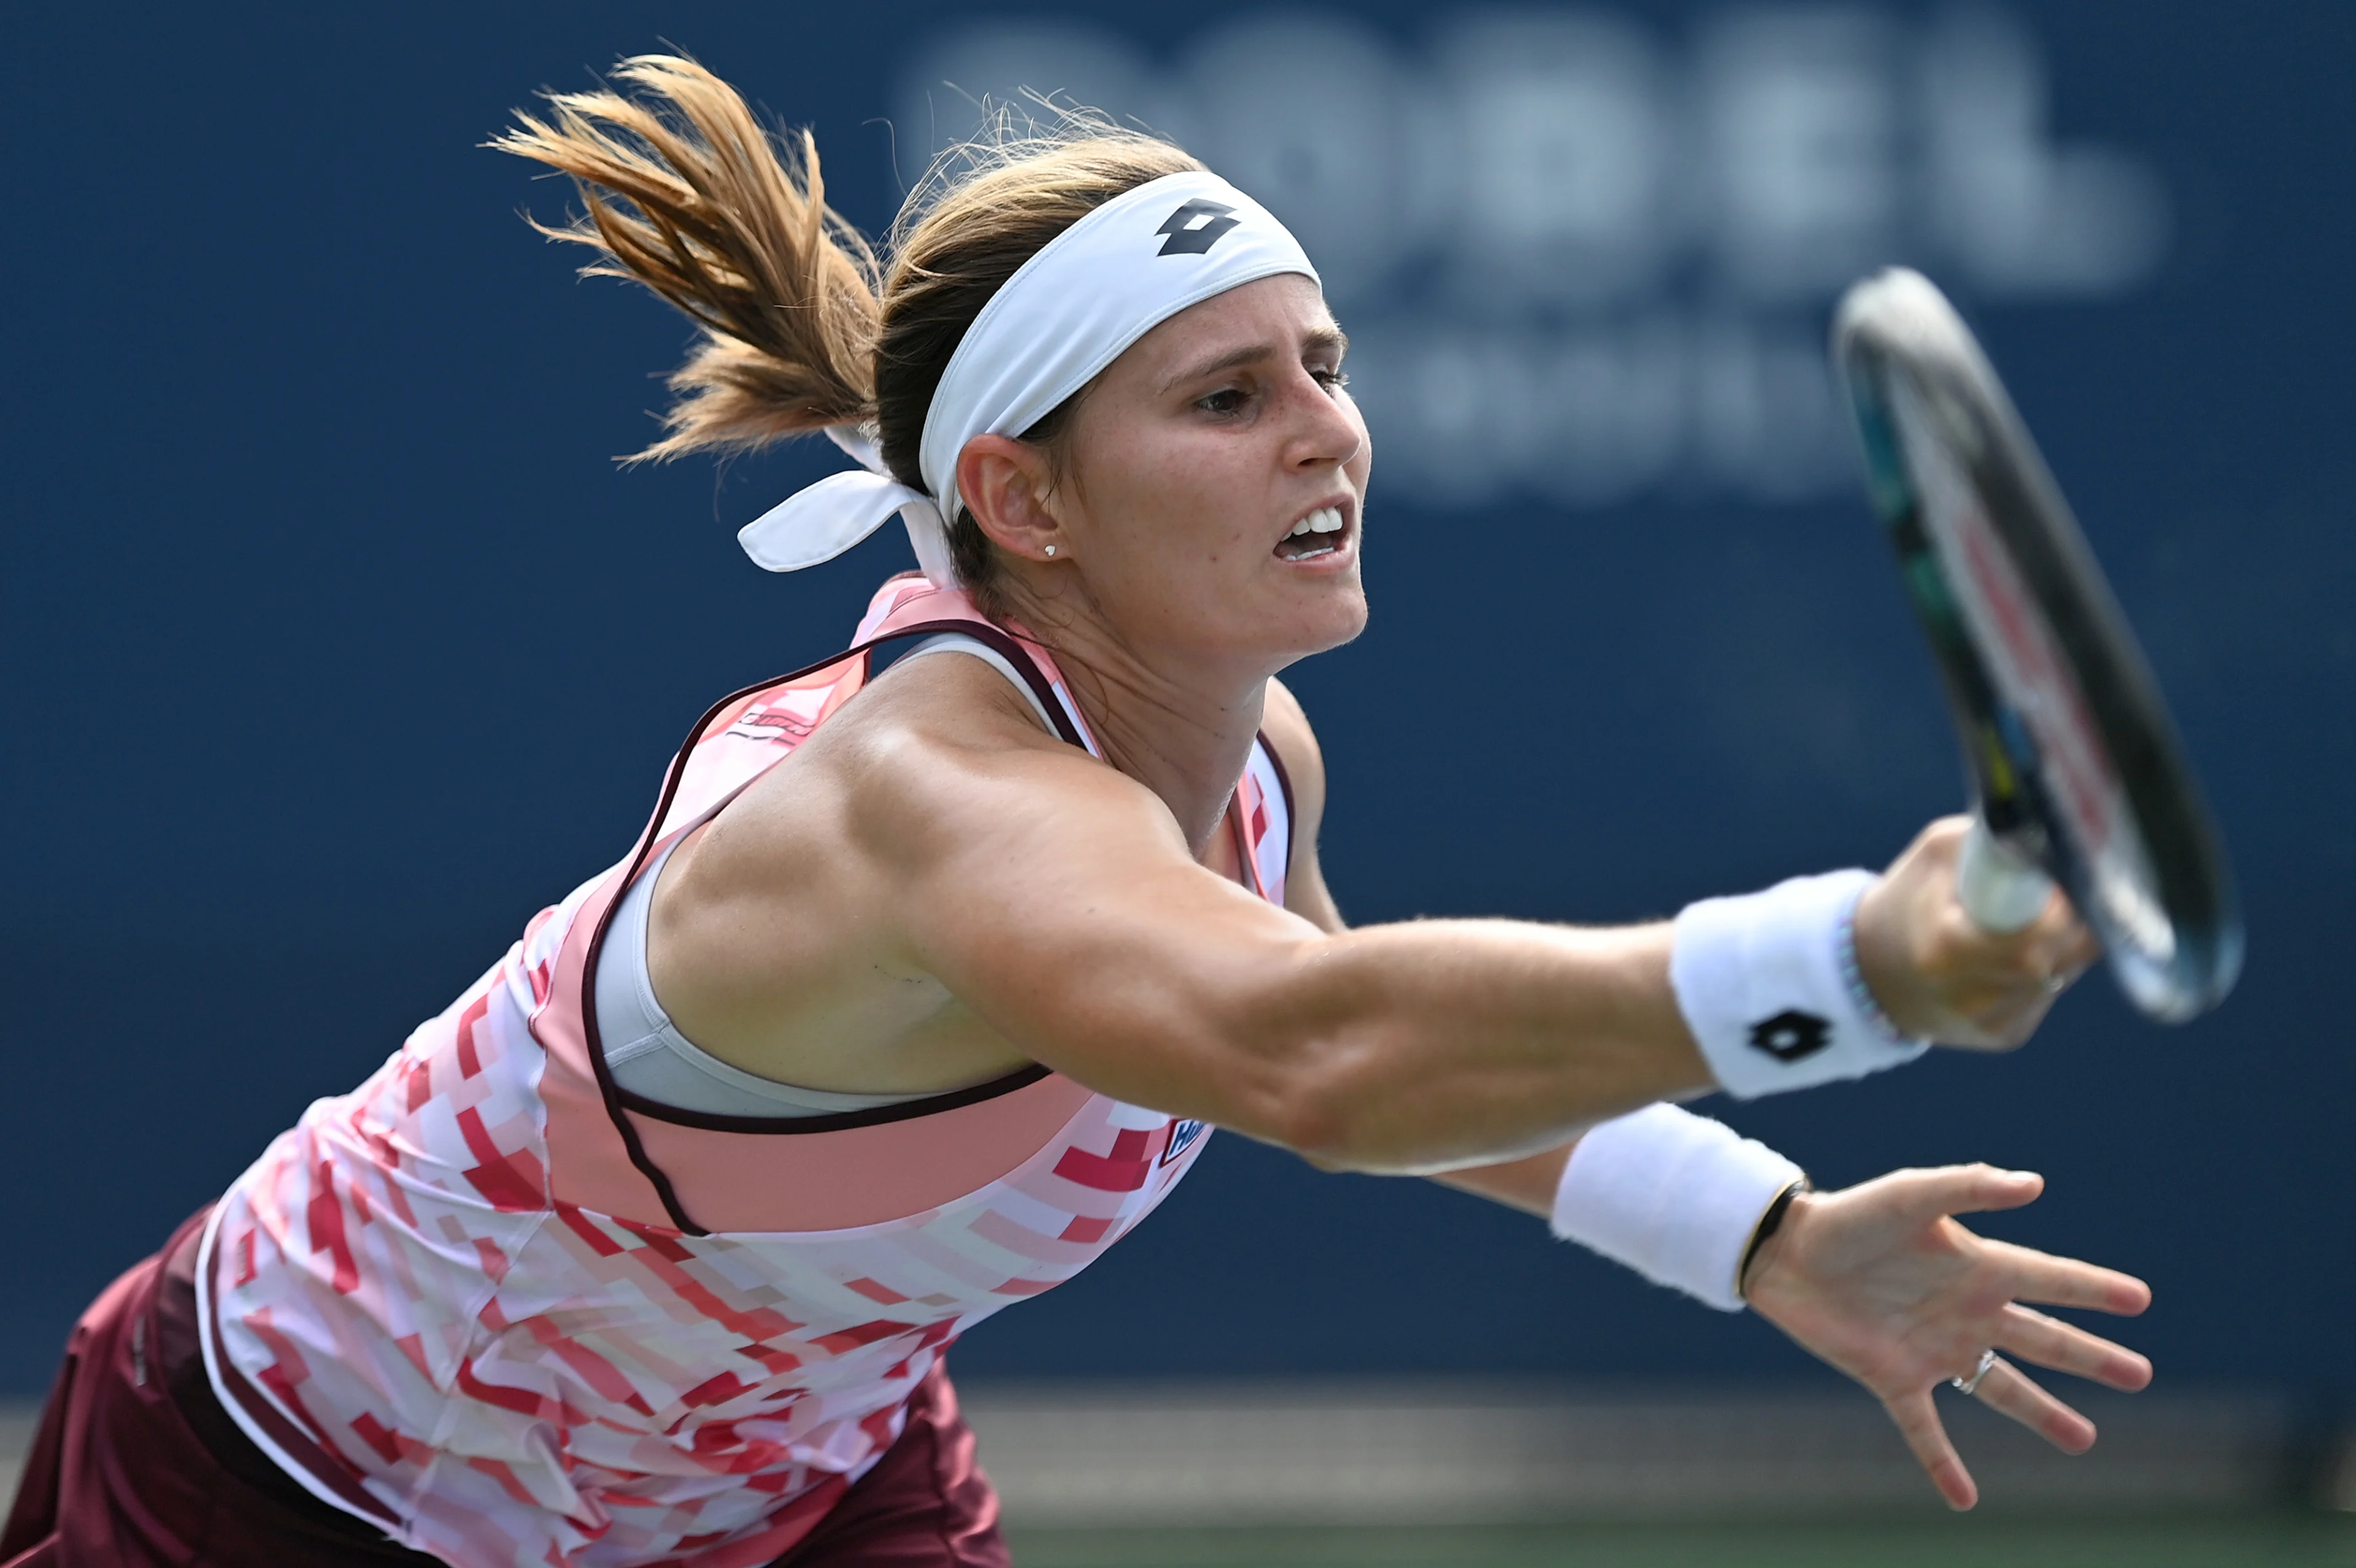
(1216, 473)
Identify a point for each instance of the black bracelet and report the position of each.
(1769, 1223)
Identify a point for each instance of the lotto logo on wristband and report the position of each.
(1762, 981)
(1791, 1035)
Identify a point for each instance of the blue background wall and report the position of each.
(336, 646)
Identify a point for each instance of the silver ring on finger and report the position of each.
(1970, 1385)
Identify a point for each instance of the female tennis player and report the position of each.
(924, 979)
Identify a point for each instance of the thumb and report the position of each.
(1926, 1195)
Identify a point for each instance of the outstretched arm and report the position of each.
(944, 863)
(1917, 950)
(1878, 1280)
(1406, 1047)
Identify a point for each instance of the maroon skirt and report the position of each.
(135, 1464)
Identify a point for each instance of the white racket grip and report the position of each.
(2001, 891)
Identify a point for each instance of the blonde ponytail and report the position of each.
(689, 195)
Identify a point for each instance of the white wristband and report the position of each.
(1769, 984)
(1674, 1196)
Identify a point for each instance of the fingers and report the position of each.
(2057, 943)
(2017, 979)
(1938, 974)
(2066, 1282)
(2002, 985)
(1918, 1423)
(2066, 1348)
(2008, 1389)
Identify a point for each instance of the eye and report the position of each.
(1331, 379)
(1226, 400)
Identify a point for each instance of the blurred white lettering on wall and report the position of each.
(1583, 260)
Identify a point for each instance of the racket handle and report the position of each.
(2000, 891)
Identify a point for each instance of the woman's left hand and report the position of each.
(1879, 1281)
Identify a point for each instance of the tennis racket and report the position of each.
(2077, 774)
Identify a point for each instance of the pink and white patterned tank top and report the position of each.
(494, 1302)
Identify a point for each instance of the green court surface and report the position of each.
(2274, 1541)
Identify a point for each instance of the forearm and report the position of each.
(1445, 1044)
(1684, 1200)
(1527, 1184)
(1413, 1048)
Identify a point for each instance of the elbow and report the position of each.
(1342, 1106)
(1337, 1132)
(1324, 1111)
(1322, 1079)
(1319, 1127)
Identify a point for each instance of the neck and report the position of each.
(1182, 728)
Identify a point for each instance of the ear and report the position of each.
(1007, 485)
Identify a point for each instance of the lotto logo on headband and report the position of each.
(1197, 240)
(1066, 313)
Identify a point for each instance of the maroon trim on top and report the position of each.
(619, 1103)
(832, 1121)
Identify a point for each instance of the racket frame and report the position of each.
(1951, 466)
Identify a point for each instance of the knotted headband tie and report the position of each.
(1050, 329)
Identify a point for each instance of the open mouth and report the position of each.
(1321, 532)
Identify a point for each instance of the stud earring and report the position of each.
(1051, 550)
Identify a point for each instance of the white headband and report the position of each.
(1066, 313)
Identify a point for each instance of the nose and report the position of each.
(1326, 433)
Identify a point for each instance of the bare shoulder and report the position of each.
(801, 934)
(945, 750)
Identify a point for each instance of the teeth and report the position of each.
(1325, 520)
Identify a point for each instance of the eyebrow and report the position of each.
(1326, 337)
